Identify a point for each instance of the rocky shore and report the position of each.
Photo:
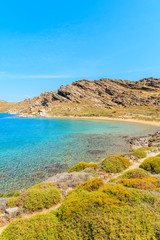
(152, 140)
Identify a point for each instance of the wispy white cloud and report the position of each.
(40, 76)
(6, 75)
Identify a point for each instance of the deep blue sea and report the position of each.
(32, 149)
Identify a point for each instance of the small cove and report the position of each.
(33, 149)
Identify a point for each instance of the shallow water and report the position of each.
(32, 149)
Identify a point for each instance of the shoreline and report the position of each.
(153, 123)
(130, 120)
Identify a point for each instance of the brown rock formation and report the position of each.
(100, 93)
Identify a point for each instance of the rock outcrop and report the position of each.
(152, 140)
(3, 203)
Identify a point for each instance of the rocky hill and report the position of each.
(102, 93)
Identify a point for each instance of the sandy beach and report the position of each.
(153, 123)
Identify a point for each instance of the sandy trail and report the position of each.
(134, 165)
(32, 214)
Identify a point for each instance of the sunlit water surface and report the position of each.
(32, 149)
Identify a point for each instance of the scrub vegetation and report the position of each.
(81, 166)
(139, 153)
(115, 164)
(151, 164)
(125, 208)
(43, 195)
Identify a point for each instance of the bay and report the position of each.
(33, 149)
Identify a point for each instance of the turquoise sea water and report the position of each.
(32, 149)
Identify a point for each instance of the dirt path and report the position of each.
(32, 214)
(134, 165)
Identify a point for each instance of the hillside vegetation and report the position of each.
(118, 201)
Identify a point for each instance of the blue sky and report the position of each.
(44, 44)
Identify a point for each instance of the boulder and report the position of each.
(68, 180)
(3, 203)
(12, 212)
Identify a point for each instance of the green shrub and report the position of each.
(132, 197)
(42, 186)
(107, 197)
(12, 202)
(151, 164)
(135, 173)
(117, 191)
(139, 153)
(114, 164)
(110, 212)
(79, 201)
(144, 183)
(93, 165)
(91, 185)
(41, 226)
(78, 167)
(81, 166)
(10, 194)
(146, 148)
(40, 196)
(127, 223)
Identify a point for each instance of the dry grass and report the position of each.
(149, 113)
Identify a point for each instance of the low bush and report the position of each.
(144, 183)
(12, 202)
(151, 164)
(126, 222)
(79, 201)
(110, 196)
(93, 165)
(78, 167)
(115, 164)
(132, 197)
(42, 186)
(81, 166)
(119, 223)
(91, 185)
(10, 194)
(40, 227)
(116, 191)
(135, 173)
(146, 148)
(40, 196)
(139, 153)
(111, 212)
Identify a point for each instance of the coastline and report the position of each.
(117, 119)
(121, 138)
(153, 123)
